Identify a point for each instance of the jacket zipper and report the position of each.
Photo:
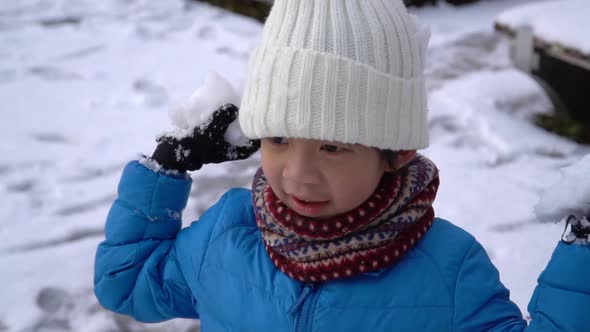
(305, 302)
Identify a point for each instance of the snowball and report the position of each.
(569, 195)
(235, 136)
(214, 93)
(197, 111)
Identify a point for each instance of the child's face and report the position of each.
(321, 179)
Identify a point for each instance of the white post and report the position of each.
(523, 49)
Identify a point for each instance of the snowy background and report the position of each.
(86, 85)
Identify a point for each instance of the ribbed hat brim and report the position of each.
(293, 92)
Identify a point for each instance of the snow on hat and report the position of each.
(339, 70)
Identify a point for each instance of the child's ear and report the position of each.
(401, 159)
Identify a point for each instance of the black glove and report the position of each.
(205, 146)
(579, 229)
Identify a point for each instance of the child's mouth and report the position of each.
(306, 208)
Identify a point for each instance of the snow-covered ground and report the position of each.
(86, 85)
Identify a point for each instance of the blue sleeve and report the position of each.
(561, 301)
(137, 270)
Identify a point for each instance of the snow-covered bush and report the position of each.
(420, 3)
(258, 9)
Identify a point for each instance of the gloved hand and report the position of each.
(206, 145)
(579, 230)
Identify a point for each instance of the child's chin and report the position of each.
(320, 216)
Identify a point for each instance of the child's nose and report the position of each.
(300, 168)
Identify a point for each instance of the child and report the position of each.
(338, 232)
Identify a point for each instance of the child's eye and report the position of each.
(278, 140)
(332, 148)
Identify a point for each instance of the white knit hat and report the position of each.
(339, 70)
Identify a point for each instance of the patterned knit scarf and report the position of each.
(370, 237)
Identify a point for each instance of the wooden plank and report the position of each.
(564, 52)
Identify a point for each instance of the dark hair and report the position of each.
(390, 157)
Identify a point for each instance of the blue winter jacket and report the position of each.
(218, 270)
